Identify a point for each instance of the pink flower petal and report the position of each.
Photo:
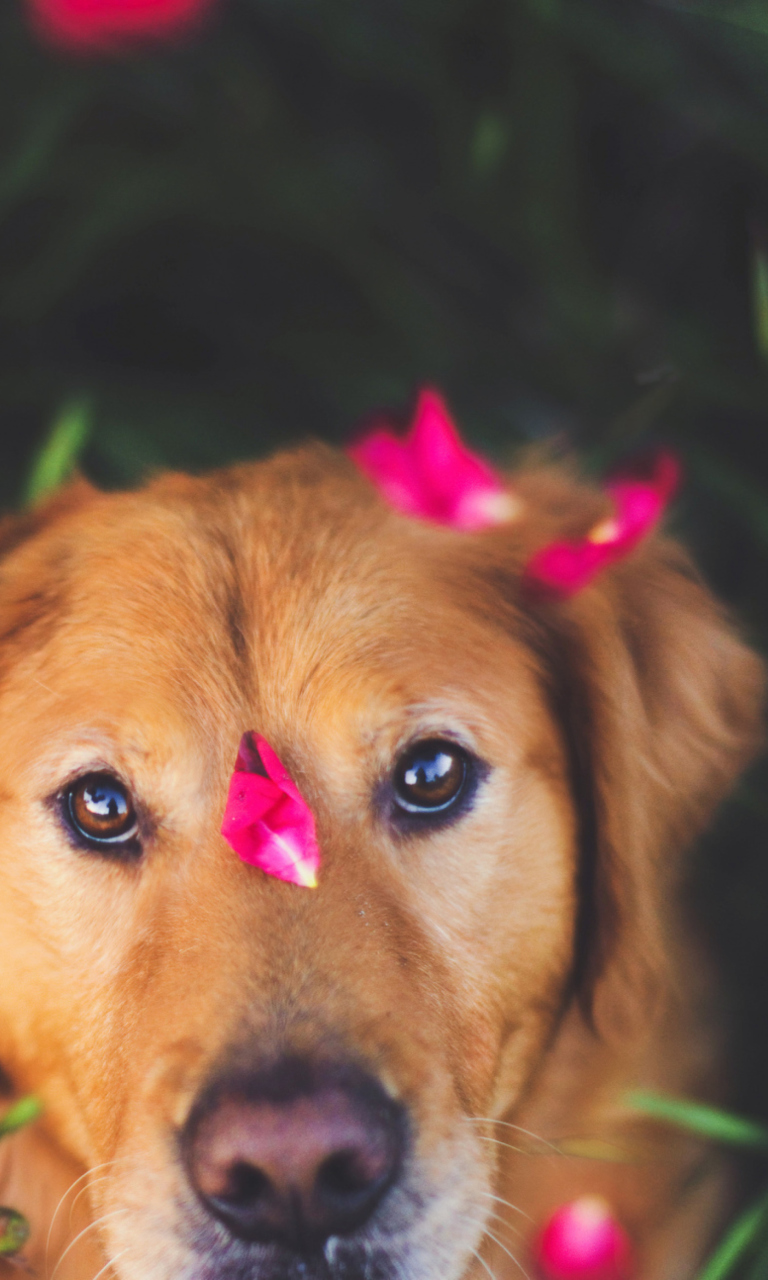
(583, 1241)
(266, 820)
(563, 568)
(384, 460)
(106, 25)
(431, 474)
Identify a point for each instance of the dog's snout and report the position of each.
(295, 1156)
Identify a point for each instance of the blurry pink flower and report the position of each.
(563, 568)
(103, 25)
(266, 820)
(431, 474)
(583, 1241)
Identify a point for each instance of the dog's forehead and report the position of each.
(273, 574)
(282, 595)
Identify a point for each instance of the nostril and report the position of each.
(344, 1174)
(246, 1185)
(355, 1173)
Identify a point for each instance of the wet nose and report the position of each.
(295, 1155)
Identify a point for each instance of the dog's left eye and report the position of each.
(99, 810)
(431, 777)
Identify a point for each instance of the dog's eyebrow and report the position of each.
(38, 611)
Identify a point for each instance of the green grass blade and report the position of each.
(737, 1240)
(20, 1114)
(14, 1232)
(760, 299)
(707, 1122)
(58, 457)
(758, 1268)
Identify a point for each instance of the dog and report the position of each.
(399, 1074)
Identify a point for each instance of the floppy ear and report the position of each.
(25, 600)
(661, 704)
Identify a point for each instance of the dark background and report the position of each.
(556, 210)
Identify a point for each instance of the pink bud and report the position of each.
(583, 1241)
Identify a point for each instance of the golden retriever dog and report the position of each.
(400, 1074)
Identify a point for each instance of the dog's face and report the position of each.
(280, 1082)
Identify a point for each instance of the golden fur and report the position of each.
(523, 966)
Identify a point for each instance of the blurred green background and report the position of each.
(557, 210)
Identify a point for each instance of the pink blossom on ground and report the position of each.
(266, 820)
(106, 25)
(583, 1241)
(563, 568)
(431, 474)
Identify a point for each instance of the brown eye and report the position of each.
(431, 776)
(100, 810)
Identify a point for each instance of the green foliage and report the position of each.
(14, 1232)
(58, 456)
(745, 1243)
(741, 1243)
(14, 1228)
(19, 1116)
(706, 1122)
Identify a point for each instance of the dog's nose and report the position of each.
(296, 1155)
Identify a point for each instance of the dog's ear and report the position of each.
(17, 527)
(661, 703)
(30, 588)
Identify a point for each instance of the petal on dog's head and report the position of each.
(431, 474)
(640, 498)
(266, 820)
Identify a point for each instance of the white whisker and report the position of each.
(111, 1261)
(483, 1263)
(88, 1187)
(507, 1124)
(506, 1203)
(498, 1142)
(516, 1261)
(68, 1192)
(496, 1217)
(91, 1227)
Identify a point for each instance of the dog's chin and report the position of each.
(339, 1260)
(415, 1236)
(402, 1257)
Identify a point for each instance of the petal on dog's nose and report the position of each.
(299, 1169)
(432, 474)
(266, 820)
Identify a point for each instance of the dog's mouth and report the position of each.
(401, 1244)
(303, 1172)
(339, 1260)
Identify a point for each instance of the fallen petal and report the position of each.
(431, 474)
(583, 1241)
(563, 568)
(385, 461)
(106, 26)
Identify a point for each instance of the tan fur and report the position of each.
(523, 966)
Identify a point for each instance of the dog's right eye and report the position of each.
(99, 811)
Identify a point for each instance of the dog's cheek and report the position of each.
(497, 902)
